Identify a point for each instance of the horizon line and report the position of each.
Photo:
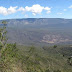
(35, 18)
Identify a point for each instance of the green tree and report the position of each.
(55, 46)
(3, 32)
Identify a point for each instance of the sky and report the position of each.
(14, 9)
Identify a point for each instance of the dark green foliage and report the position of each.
(10, 50)
(55, 46)
(4, 23)
(8, 57)
(66, 51)
(3, 32)
(69, 61)
(0, 46)
(31, 59)
(57, 71)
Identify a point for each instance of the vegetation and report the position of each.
(55, 46)
(20, 58)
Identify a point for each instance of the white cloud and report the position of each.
(70, 6)
(47, 8)
(3, 10)
(21, 9)
(34, 9)
(6, 11)
(65, 10)
(37, 9)
(34, 14)
(59, 13)
(12, 10)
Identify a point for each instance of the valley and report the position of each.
(40, 31)
(40, 47)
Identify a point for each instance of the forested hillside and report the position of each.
(20, 58)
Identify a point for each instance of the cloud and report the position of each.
(3, 10)
(37, 9)
(65, 10)
(70, 6)
(21, 9)
(12, 10)
(48, 9)
(59, 13)
(34, 9)
(6, 11)
(34, 14)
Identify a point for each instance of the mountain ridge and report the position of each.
(39, 30)
(35, 22)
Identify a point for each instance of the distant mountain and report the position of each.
(40, 22)
(40, 31)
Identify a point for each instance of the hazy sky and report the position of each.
(35, 9)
